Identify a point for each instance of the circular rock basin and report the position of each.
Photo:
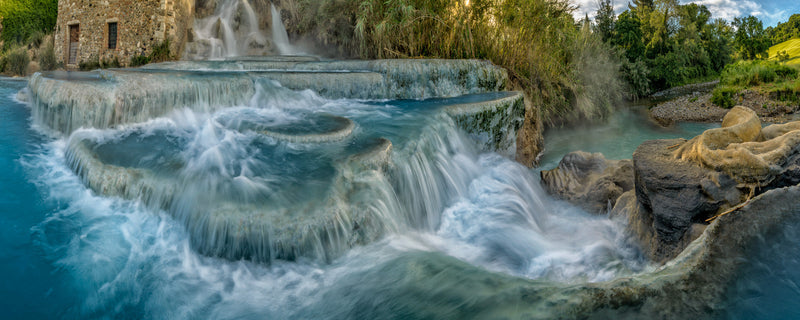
(241, 193)
(313, 129)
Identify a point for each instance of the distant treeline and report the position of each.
(23, 19)
(786, 30)
(666, 44)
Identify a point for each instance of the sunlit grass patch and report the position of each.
(790, 47)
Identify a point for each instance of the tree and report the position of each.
(717, 39)
(750, 39)
(605, 20)
(662, 27)
(629, 35)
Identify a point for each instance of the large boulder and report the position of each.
(589, 180)
(678, 193)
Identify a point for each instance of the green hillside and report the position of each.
(792, 47)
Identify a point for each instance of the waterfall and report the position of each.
(279, 35)
(231, 31)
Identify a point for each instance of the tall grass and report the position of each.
(777, 79)
(161, 52)
(47, 55)
(17, 61)
(753, 73)
(547, 54)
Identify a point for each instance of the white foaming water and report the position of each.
(440, 196)
(127, 260)
(233, 30)
(279, 35)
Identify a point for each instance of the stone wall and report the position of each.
(141, 25)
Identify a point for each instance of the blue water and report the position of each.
(31, 287)
(69, 253)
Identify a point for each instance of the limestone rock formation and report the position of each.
(673, 188)
(681, 184)
(530, 140)
(589, 180)
(743, 150)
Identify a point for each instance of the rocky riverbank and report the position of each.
(696, 106)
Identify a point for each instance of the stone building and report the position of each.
(101, 30)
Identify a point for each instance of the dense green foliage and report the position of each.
(666, 44)
(785, 30)
(723, 96)
(25, 18)
(753, 73)
(562, 64)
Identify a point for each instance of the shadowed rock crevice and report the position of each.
(589, 180)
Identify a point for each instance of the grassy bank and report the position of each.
(787, 52)
(778, 81)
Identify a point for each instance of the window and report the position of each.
(112, 35)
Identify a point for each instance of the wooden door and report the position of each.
(74, 35)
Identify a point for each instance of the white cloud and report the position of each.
(725, 9)
(729, 9)
(590, 7)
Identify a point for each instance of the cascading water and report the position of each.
(175, 193)
(291, 174)
(279, 35)
(232, 30)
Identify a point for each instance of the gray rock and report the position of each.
(679, 193)
(640, 226)
(589, 180)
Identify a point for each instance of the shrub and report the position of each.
(17, 61)
(139, 61)
(160, 52)
(782, 55)
(753, 73)
(47, 57)
(110, 63)
(36, 38)
(723, 96)
(92, 64)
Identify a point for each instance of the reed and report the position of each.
(555, 61)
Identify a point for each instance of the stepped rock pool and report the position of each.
(284, 204)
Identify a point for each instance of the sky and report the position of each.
(770, 12)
